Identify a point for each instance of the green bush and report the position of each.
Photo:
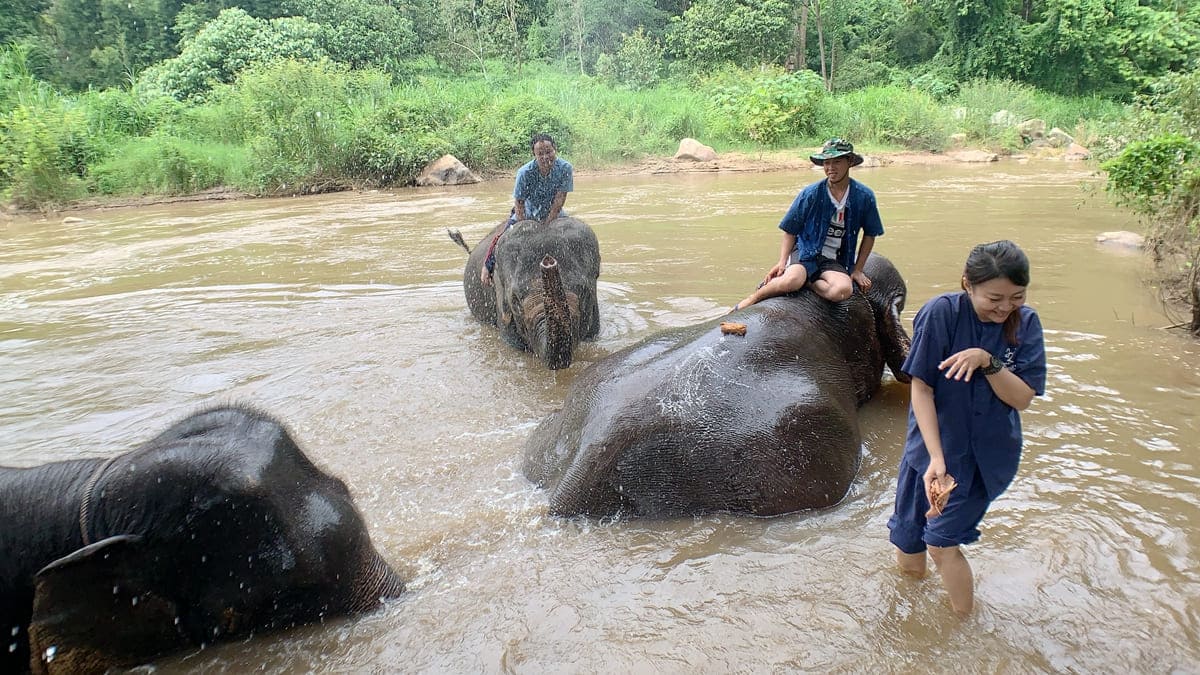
(637, 64)
(44, 154)
(898, 116)
(168, 165)
(228, 45)
(764, 106)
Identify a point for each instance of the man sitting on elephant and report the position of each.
(539, 193)
(820, 233)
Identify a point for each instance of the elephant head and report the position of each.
(543, 292)
(693, 420)
(218, 528)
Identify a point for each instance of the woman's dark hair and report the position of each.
(538, 138)
(993, 261)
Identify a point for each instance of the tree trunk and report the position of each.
(816, 5)
(801, 56)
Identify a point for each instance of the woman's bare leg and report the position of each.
(956, 576)
(911, 564)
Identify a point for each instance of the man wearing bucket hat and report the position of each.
(820, 232)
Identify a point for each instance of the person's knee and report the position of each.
(944, 554)
(839, 287)
(792, 279)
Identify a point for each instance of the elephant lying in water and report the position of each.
(543, 293)
(218, 528)
(692, 421)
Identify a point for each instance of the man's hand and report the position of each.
(485, 277)
(864, 282)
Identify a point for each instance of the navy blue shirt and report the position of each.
(809, 215)
(977, 428)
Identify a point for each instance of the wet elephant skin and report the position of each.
(692, 421)
(545, 311)
(218, 528)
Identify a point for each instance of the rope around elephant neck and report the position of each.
(85, 505)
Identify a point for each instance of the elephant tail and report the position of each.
(456, 237)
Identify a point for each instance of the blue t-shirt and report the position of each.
(811, 212)
(538, 191)
(977, 428)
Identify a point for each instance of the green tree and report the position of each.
(228, 45)
(1157, 175)
(584, 30)
(744, 32)
(982, 39)
(359, 33)
(637, 64)
(20, 18)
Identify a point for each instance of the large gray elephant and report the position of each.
(693, 420)
(543, 292)
(218, 528)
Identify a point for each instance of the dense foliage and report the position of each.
(1158, 175)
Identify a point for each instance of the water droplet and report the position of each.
(134, 601)
(50, 652)
(15, 630)
(12, 648)
(114, 590)
(176, 621)
(203, 558)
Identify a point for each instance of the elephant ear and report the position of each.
(887, 297)
(100, 607)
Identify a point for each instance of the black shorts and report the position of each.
(816, 266)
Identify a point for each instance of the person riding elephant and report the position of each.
(218, 528)
(762, 420)
(542, 294)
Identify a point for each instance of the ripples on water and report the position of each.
(344, 315)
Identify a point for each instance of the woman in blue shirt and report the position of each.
(977, 358)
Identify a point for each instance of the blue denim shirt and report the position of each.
(809, 215)
(538, 191)
(978, 430)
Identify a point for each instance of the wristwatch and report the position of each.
(994, 367)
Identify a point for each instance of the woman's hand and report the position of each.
(962, 365)
(936, 470)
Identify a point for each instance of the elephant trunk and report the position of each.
(378, 582)
(559, 338)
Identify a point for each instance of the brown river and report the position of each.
(343, 314)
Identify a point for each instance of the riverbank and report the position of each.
(793, 159)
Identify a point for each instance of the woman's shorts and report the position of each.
(816, 266)
(911, 532)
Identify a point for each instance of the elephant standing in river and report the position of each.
(543, 292)
(220, 527)
(693, 421)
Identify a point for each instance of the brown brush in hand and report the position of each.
(939, 493)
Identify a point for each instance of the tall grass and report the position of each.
(303, 126)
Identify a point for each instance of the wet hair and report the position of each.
(993, 261)
(538, 138)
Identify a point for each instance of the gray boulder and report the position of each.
(446, 170)
(691, 150)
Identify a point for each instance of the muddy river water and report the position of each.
(343, 314)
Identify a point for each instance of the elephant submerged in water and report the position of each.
(694, 421)
(217, 528)
(543, 292)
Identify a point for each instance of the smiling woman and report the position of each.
(961, 429)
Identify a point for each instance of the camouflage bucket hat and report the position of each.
(836, 147)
